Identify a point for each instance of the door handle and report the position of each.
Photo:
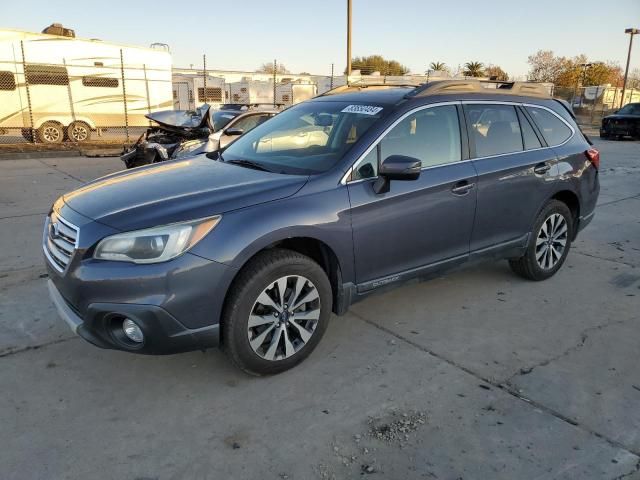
(462, 188)
(541, 168)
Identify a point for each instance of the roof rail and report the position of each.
(356, 87)
(527, 89)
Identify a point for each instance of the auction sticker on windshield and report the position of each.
(362, 109)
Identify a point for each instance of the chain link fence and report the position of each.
(79, 99)
(592, 103)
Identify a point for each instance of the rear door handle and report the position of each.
(542, 168)
(462, 188)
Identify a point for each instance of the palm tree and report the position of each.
(473, 69)
(438, 66)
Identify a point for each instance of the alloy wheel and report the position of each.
(284, 317)
(551, 241)
(79, 133)
(51, 134)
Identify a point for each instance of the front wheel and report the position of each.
(549, 243)
(277, 312)
(78, 132)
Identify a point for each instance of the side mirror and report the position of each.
(396, 167)
(234, 132)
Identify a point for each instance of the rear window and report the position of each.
(7, 81)
(100, 82)
(554, 130)
(494, 129)
(46, 75)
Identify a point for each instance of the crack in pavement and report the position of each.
(627, 475)
(59, 170)
(617, 201)
(603, 258)
(14, 351)
(23, 215)
(502, 386)
(584, 336)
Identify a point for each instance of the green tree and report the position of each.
(438, 66)
(268, 68)
(377, 63)
(473, 69)
(494, 72)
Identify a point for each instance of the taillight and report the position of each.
(594, 157)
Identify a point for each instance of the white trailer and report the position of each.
(190, 92)
(250, 92)
(60, 86)
(295, 92)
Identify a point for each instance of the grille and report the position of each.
(60, 240)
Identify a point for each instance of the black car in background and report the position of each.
(624, 123)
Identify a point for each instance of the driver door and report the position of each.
(419, 223)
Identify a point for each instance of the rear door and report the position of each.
(421, 222)
(515, 170)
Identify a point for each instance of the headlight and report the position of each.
(154, 245)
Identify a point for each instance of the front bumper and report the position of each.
(163, 334)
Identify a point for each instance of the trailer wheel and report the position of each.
(78, 132)
(51, 132)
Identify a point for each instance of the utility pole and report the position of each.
(348, 40)
(631, 32)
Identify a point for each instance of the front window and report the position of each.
(309, 138)
(630, 109)
(220, 119)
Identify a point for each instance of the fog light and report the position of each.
(132, 331)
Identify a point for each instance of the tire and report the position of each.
(78, 132)
(535, 264)
(604, 136)
(249, 347)
(50, 132)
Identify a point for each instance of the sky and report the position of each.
(310, 36)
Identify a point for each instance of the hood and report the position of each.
(175, 191)
(618, 116)
(181, 119)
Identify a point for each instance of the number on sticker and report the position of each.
(362, 109)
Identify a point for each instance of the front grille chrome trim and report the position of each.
(59, 244)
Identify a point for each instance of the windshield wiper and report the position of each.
(248, 164)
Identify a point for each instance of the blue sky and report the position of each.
(309, 36)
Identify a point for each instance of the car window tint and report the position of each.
(249, 122)
(528, 134)
(494, 129)
(554, 130)
(368, 167)
(431, 135)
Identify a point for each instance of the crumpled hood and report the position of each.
(181, 119)
(175, 191)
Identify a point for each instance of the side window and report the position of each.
(249, 122)
(46, 75)
(101, 82)
(431, 135)
(7, 81)
(368, 168)
(528, 134)
(554, 130)
(494, 129)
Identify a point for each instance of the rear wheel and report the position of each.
(549, 243)
(51, 132)
(78, 132)
(277, 312)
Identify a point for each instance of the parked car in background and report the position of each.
(624, 123)
(178, 134)
(253, 248)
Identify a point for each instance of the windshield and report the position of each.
(631, 109)
(309, 138)
(220, 119)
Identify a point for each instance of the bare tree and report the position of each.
(268, 68)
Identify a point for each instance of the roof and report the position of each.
(381, 94)
(393, 94)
